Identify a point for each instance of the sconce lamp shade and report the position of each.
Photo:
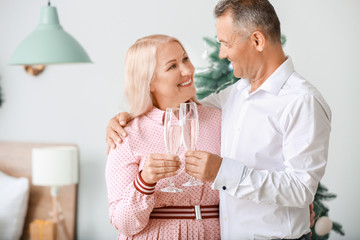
(49, 44)
(54, 166)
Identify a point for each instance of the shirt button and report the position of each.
(224, 187)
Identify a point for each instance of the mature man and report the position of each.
(275, 131)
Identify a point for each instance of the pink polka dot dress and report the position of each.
(131, 201)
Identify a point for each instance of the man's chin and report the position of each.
(237, 75)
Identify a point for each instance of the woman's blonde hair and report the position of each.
(140, 69)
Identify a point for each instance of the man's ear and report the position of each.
(259, 41)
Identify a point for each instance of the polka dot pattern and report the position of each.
(130, 209)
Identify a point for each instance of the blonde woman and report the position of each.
(159, 75)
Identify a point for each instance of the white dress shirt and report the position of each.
(274, 147)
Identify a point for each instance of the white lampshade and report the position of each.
(55, 166)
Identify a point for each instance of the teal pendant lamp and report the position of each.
(49, 44)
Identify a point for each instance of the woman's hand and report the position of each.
(115, 130)
(159, 166)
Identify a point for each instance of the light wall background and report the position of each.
(73, 103)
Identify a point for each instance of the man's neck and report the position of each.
(273, 58)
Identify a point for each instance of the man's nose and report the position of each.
(222, 54)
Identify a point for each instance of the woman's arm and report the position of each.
(129, 207)
(130, 191)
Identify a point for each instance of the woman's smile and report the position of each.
(186, 83)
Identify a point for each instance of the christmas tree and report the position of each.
(321, 210)
(218, 76)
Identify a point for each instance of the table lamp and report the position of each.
(55, 167)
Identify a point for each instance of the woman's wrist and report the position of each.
(142, 186)
(146, 179)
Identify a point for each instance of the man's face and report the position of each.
(236, 47)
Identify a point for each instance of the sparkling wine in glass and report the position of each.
(172, 138)
(190, 132)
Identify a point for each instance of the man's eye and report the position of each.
(185, 59)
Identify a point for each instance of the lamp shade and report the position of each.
(54, 166)
(49, 44)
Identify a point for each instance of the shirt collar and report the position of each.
(276, 80)
(156, 115)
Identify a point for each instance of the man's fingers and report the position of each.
(110, 144)
(119, 130)
(192, 161)
(123, 118)
(192, 172)
(197, 154)
(312, 215)
(191, 168)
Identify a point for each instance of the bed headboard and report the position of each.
(15, 160)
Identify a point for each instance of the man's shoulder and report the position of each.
(299, 89)
(298, 85)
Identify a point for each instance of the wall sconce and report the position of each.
(48, 44)
(55, 167)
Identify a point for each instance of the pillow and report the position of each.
(14, 196)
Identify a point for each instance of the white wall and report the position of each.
(72, 103)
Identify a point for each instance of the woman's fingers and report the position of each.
(159, 166)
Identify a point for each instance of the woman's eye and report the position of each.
(185, 59)
(172, 66)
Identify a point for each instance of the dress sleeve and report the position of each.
(130, 199)
(306, 127)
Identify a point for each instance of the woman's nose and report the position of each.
(186, 71)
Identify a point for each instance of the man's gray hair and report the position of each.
(252, 15)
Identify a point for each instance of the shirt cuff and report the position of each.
(229, 176)
(142, 186)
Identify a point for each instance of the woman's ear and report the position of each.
(152, 88)
(259, 40)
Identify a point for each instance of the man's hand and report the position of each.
(202, 165)
(115, 129)
(312, 216)
(159, 166)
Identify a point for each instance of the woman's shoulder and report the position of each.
(135, 124)
(208, 110)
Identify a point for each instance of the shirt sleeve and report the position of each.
(131, 200)
(217, 100)
(306, 128)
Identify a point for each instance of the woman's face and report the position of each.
(173, 81)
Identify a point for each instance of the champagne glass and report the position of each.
(190, 120)
(172, 138)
